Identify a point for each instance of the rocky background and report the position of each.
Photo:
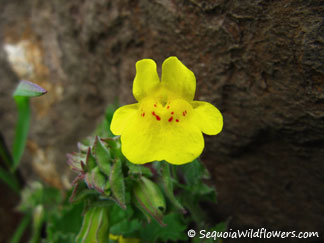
(260, 62)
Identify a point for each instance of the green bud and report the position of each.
(95, 226)
(28, 89)
(149, 199)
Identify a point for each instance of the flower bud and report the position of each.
(95, 226)
(149, 199)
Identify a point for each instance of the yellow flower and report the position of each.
(165, 124)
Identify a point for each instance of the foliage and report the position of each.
(154, 203)
(112, 199)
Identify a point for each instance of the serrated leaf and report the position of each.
(115, 147)
(90, 161)
(117, 184)
(123, 222)
(173, 231)
(192, 172)
(167, 182)
(139, 170)
(99, 180)
(103, 156)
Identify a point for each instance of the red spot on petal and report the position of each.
(143, 114)
(156, 116)
(177, 120)
(184, 113)
(168, 107)
(154, 105)
(170, 119)
(172, 113)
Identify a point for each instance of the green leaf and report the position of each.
(4, 152)
(103, 156)
(122, 221)
(64, 223)
(28, 89)
(167, 183)
(21, 229)
(90, 161)
(173, 231)
(117, 184)
(10, 180)
(95, 226)
(192, 172)
(99, 180)
(81, 193)
(102, 129)
(115, 147)
(138, 170)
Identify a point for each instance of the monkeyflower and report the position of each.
(166, 123)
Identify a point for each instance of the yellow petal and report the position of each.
(207, 117)
(178, 78)
(146, 139)
(146, 78)
(122, 117)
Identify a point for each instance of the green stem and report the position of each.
(21, 229)
(21, 129)
(10, 179)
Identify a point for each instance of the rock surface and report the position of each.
(260, 62)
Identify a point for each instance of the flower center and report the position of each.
(165, 107)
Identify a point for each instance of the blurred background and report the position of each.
(260, 62)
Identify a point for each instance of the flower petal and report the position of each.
(122, 117)
(178, 78)
(146, 140)
(207, 117)
(184, 144)
(146, 78)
